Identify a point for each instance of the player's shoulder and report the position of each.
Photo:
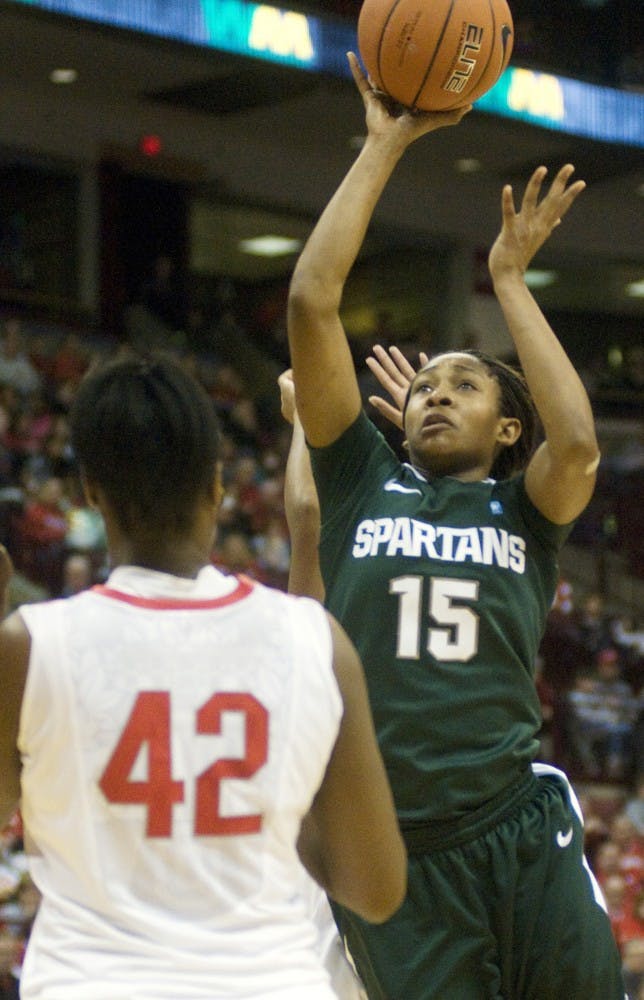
(284, 599)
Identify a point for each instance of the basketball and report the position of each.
(434, 55)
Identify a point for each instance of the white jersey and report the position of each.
(173, 733)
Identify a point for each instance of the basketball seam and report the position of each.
(380, 41)
(436, 48)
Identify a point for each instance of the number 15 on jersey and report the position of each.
(452, 627)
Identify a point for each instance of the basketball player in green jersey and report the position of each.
(443, 570)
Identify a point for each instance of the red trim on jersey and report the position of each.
(244, 587)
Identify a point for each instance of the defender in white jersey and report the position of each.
(181, 736)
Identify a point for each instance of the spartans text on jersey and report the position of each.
(407, 536)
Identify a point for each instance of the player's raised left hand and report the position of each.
(394, 372)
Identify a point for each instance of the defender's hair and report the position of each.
(146, 433)
(515, 401)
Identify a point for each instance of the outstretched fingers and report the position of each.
(396, 364)
(559, 197)
(508, 210)
(562, 193)
(360, 78)
(533, 189)
(394, 373)
(391, 413)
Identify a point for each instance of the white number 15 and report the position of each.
(457, 639)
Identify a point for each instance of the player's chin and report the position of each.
(432, 452)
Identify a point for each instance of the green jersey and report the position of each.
(444, 588)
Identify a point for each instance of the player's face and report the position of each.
(452, 423)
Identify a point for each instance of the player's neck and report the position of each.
(184, 556)
(178, 553)
(473, 474)
(176, 563)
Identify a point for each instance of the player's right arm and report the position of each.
(350, 842)
(328, 397)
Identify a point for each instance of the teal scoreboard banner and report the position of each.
(320, 43)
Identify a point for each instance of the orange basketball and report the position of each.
(433, 55)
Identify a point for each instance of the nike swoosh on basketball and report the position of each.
(393, 487)
(563, 839)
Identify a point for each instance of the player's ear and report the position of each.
(509, 431)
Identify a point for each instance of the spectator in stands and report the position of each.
(19, 440)
(559, 647)
(583, 726)
(547, 700)
(623, 832)
(42, 417)
(54, 457)
(85, 526)
(15, 368)
(273, 551)
(611, 863)
(628, 639)
(626, 913)
(16, 909)
(78, 573)
(607, 861)
(633, 958)
(615, 895)
(10, 957)
(593, 625)
(40, 349)
(234, 554)
(243, 488)
(236, 409)
(602, 712)
(40, 535)
(596, 830)
(634, 808)
(634, 930)
(70, 361)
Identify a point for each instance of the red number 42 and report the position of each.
(149, 725)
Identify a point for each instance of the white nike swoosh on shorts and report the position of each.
(563, 839)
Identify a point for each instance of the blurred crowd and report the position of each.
(56, 540)
(591, 663)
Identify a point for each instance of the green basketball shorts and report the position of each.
(500, 906)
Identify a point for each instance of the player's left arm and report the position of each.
(14, 659)
(301, 504)
(560, 477)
